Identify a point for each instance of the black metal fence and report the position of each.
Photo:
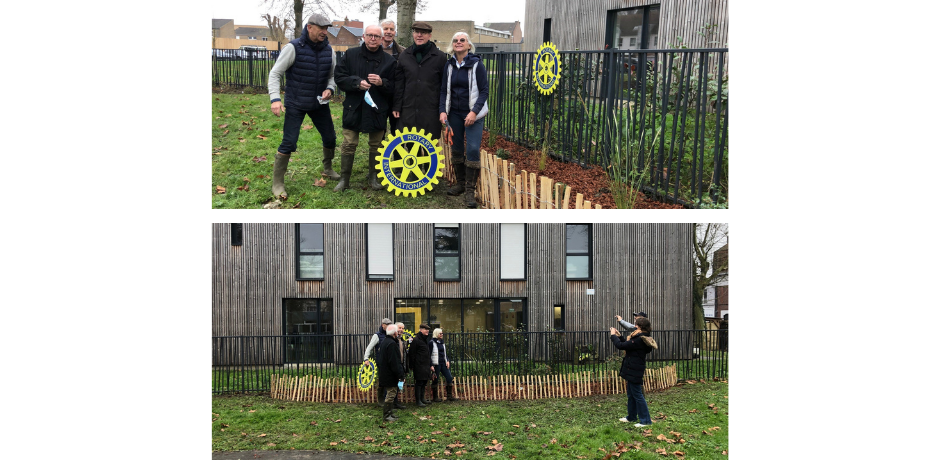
(654, 119)
(246, 363)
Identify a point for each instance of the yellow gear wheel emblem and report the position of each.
(409, 162)
(547, 68)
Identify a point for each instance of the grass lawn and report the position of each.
(245, 137)
(689, 418)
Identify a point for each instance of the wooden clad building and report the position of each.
(626, 24)
(343, 278)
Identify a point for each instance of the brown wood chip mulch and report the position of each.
(592, 182)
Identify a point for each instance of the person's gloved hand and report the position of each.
(401, 386)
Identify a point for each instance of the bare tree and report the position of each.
(299, 9)
(708, 269)
(277, 27)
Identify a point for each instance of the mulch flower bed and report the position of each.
(593, 182)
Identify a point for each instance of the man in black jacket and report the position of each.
(419, 360)
(418, 83)
(365, 74)
(391, 371)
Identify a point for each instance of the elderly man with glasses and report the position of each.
(365, 74)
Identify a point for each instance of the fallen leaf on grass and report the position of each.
(241, 139)
(714, 428)
(219, 189)
(244, 434)
(369, 438)
(271, 444)
(314, 423)
(648, 432)
(678, 454)
(334, 443)
(261, 137)
(662, 452)
(676, 434)
(554, 441)
(223, 126)
(259, 159)
(261, 435)
(437, 432)
(517, 426)
(306, 127)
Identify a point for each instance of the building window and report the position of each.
(547, 31)
(380, 252)
(447, 252)
(462, 315)
(559, 317)
(236, 234)
(309, 251)
(578, 251)
(308, 325)
(512, 251)
(635, 26)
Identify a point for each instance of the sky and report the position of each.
(248, 12)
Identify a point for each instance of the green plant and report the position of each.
(502, 153)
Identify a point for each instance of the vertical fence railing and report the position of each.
(659, 116)
(654, 119)
(246, 363)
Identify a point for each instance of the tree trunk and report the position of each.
(299, 18)
(383, 9)
(406, 17)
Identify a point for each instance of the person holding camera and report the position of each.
(628, 326)
(637, 345)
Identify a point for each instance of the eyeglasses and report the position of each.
(372, 36)
(461, 40)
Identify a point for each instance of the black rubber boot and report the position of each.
(277, 178)
(470, 195)
(419, 394)
(424, 395)
(373, 174)
(346, 162)
(328, 164)
(389, 415)
(450, 394)
(460, 171)
(437, 393)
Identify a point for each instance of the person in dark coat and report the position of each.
(636, 345)
(418, 83)
(392, 48)
(365, 73)
(419, 360)
(391, 371)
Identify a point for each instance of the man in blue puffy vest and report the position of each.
(308, 62)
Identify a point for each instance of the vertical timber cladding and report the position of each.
(583, 25)
(635, 266)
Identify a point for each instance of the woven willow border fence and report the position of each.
(496, 388)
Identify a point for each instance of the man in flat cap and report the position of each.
(418, 83)
(308, 62)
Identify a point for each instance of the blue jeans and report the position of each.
(636, 404)
(473, 134)
(442, 369)
(321, 119)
